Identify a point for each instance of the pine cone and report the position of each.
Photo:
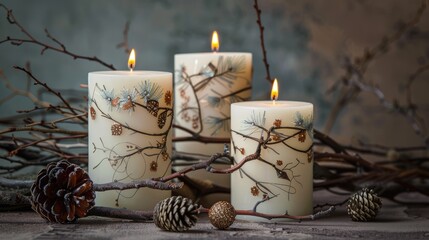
(175, 214)
(364, 205)
(62, 192)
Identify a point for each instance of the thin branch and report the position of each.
(124, 44)
(321, 206)
(207, 164)
(194, 167)
(19, 92)
(317, 215)
(136, 185)
(49, 89)
(20, 147)
(102, 187)
(32, 40)
(352, 83)
(42, 130)
(261, 32)
(234, 93)
(9, 183)
(121, 213)
(14, 198)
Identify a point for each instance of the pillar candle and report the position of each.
(205, 86)
(130, 117)
(209, 82)
(281, 181)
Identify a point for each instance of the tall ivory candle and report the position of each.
(130, 117)
(205, 86)
(281, 181)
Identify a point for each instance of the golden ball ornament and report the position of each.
(222, 215)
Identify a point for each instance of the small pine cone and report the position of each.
(175, 214)
(363, 205)
(62, 192)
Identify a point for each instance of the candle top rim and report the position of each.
(213, 53)
(129, 73)
(269, 104)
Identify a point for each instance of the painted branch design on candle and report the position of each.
(254, 128)
(194, 92)
(144, 97)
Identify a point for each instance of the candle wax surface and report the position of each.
(275, 104)
(281, 181)
(205, 86)
(129, 138)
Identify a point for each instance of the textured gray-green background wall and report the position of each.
(306, 42)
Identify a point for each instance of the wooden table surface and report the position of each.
(394, 222)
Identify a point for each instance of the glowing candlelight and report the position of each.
(215, 42)
(275, 91)
(132, 60)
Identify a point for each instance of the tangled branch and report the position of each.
(61, 48)
(353, 83)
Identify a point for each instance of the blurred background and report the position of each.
(308, 43)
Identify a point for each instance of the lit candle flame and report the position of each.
(275, 91)
(132, 60)
(215, 42)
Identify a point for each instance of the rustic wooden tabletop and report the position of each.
(395, 221)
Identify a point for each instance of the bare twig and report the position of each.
(317, 215)
(19, 92)
(195, 188)
(124, 44)
(261, 31)
(9, 183)
(42, 130)
(121, 213)
(49, 89)
(194, 167)
(102, 187)
(321, 206)
(136, 185)
(352, 83)
(13, 198)
(31, 39)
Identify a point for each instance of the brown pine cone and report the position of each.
(175, 214)
(364, 205)
(62, 192)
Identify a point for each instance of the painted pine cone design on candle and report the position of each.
(115, 106)
(278, 135)
(204, 97)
